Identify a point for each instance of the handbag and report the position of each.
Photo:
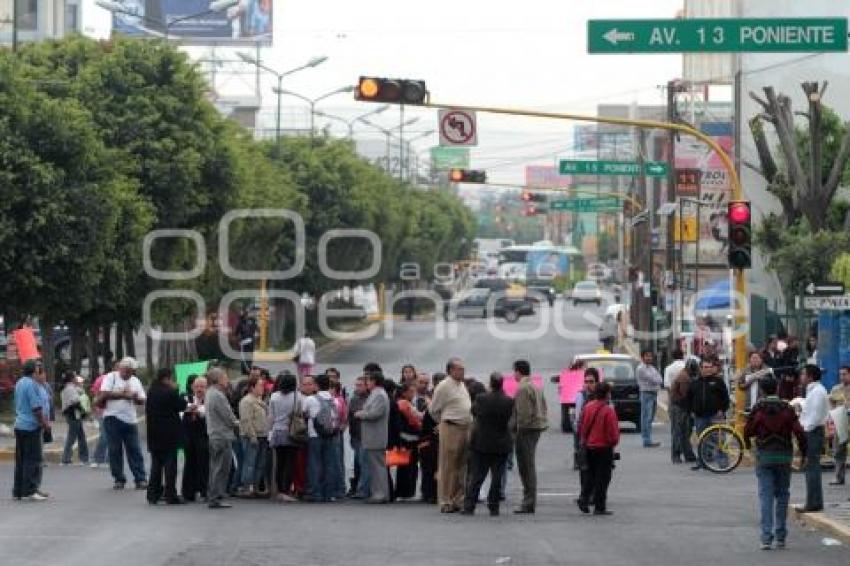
(297, 424)
(581, 453)
(398, 457)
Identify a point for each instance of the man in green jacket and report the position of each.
(530, 419)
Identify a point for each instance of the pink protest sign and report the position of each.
(570, 383)
(510, 383)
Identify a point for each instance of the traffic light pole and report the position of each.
(737, 194)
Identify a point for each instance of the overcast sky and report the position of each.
(529, 54)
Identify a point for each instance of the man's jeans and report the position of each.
(253, 461)
(322, 468)
(102, 447)
(363, 479)
(124, 436)
(76, 435)
(680, 434)
(700, 424)
(814, 480)
(774, 491)
(648, 404)
(28, 458)
(840, 461)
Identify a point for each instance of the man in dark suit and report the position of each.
(490, 445)
(165, 435)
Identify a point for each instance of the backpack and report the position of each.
(326, 422)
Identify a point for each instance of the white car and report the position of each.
(586, 292)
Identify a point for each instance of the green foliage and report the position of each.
(840, 271)
(832, 132)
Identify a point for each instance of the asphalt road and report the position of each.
(664, 514)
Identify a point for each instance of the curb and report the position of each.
(823, 523)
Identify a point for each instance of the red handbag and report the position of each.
(398, 457)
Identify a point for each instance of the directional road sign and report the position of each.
(445, 158)
(833, 303)
(824, 289)
(624, 168)
(457, 127)
(717, 35)
(586, 204)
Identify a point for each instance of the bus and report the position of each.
(537, 262)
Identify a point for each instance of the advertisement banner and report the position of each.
(547, 264)
(510, 385)
(191, 21)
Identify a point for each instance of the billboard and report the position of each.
(191, 21)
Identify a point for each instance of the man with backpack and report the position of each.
(323, 443)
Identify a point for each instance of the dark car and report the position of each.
(620, 371)
(475, 303)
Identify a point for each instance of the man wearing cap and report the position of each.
(31, 420)
(120, 393)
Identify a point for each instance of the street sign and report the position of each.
(687, 182)
(824, 289)
(457, 128)
(717, 35)
(685, 229)
(834, 303)
(445, 158)
(624, 168)
(587, 204)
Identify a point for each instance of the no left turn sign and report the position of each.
(458, 127)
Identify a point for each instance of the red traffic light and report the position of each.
(740, 245)
(528, 196)
(739, 212)
(394, 91)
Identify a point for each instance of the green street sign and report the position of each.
(625, 168)
(750, 35)
(586, 204)
(445, 158)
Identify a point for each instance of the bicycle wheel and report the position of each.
(720, 449)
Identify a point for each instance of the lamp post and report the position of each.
(118, 8)
(350, 123)
(314, 62)
(416, 155)
(388, 133)
(313, 101)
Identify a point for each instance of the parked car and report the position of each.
(620, 371)
(475, 303)
(586, 292)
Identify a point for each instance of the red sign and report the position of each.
(688, 182)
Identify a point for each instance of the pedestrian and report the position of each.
(31, 421)
(649, 382)
(608, 331)
(672, 371)
(283, 405)
(451, 407)
(591, 379)
(101, 449)
(408, 374)
(840, 396)
(246, 334)
(305, 355)
(337, 390)
(708, 399)
(120, 393)
(489, 445)
(411, 428)
(254, 432)
(359, 486)
(600, 436)
(429, 449)
(394, 427)
(681, 423)
(300, 479)
(322, 449)
(747, 379)
(196, 470)
(165, 435)
(221, 423)
(773, 423)
(374, 419)
(531, 419)
(813, 419)
(75, 407)
(423, 392)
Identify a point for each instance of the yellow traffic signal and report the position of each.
(394, 91)
(467, 176)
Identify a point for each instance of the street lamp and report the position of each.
(314, 62)
(350, 123)
(313, 101)
(388, 133)
(119, 8)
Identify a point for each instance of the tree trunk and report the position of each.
(108, 354)
(94, 353)
(149, 352)
(129, 340)
(119, 341)
(77, 342)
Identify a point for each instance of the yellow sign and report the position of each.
(685, 229)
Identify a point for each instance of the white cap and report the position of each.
(128, 363)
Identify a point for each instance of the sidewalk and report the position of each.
(834, 520)
(52, 451)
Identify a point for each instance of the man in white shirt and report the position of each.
(674, 368)
(815, 411)
(305, 352)
(120, 393)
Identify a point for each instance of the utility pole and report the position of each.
(670, 260)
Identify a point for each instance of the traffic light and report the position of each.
(467, 176)
(394, 91)
(528, 196)
(740, 217)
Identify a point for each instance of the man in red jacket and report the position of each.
(600, 433)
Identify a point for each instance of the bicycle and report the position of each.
(720, 448)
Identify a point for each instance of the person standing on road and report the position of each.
(305, 356)
(813, 419)
(429, 449)
(649, 381)
(451, 407)
(196, 471)
(708, 399)
(101, 449)
(773, 423)
(120, 393)
(747, 379)
(359, 488)
(591, 379)
(221, 423)
(31, 420)
(672, 371)
(282, 407)
(840, 395)
(254, 431)
(530, 420)
(489, 446)
(165, 436)
(374, 428)
(600, 434)
(423, 392)
(73, 398)
(411, 428)
(681, 422)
